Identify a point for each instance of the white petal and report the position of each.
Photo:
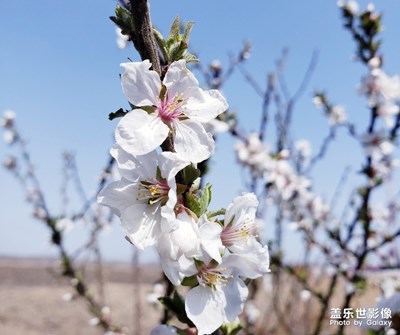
(198, 104)
(138, 133)
(142, 224)
(236, 293)
(186, 236)
(204, 106)
(192, 141)
(171, 163)
(163, 330)
(118, 195)
(210, 238)
(251, 264)
(205, 308)
(166, 248)
(171, 269)
(246, 203)
(134, 168)
(174, 266)
(179, 80)
(140, 85)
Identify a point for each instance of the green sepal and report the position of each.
(163, 92)
(190, 281)
(176, 305)
(148, 109)
(158, 174)
(205, 198)
(216, 213)
(231, 328)
(180, 189)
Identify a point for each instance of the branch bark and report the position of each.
(143, 38)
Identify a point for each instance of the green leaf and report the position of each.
(124, 20)
(186, 34)
(205, 199)
(188, 175)
(177, 50)
(161, 44)
(176, 305)
(193, 203)
(175, 29)
(119, 113)
(190, 58)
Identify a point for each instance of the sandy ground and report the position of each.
(31, 300)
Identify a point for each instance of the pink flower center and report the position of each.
(153, 191)
(213, 276)
(238, 232)
(170, 109)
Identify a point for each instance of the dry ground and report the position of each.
(31, 300)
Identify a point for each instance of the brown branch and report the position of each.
(143, 38)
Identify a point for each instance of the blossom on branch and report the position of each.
(176, 105)
(146, 191)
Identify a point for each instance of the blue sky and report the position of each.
(59, 69)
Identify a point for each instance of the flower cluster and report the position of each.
(383, 94)
(285, 186)
(158, 198)
(336, 114)
(382, 91)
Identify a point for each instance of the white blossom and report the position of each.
(351, 5)
(146, 192)
(122, 40)
(251, 311)
(9, 137)
(305, 295)
(337, 115)
(376, 145)
(218, 298)
(239, 231)
(387, 111)
(181, 110)
(216, 126)
(8, 119)
(317, 101)
(200, 239)
(253, 153)
(64, 225)
(157, 292)
(303, 147)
